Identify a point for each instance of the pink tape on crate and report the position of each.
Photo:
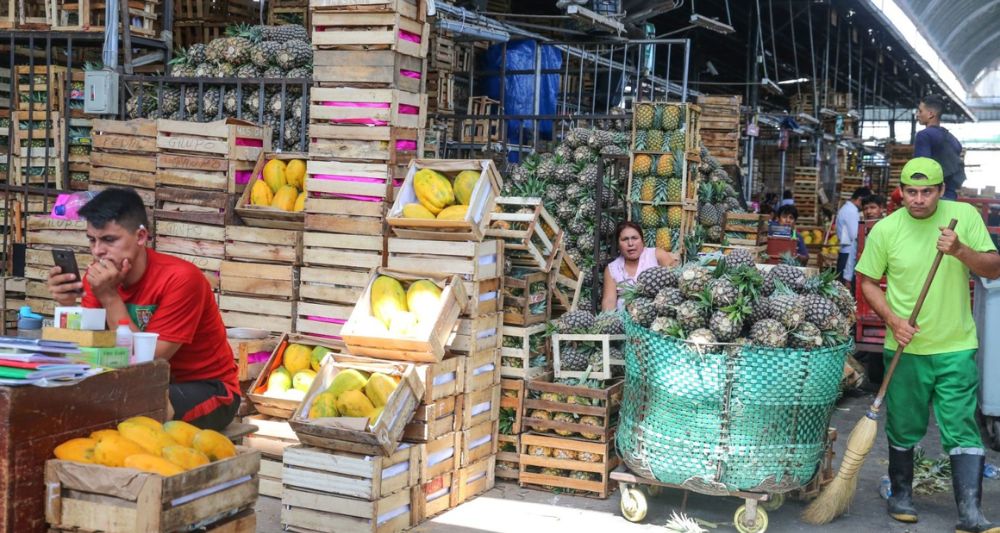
(410, 36)
(242, 177)
(406, 145)
(255, 143)
(356, 179)
(357, 197)
(410, 74)
(328, 320)
(258, 357)
(409, 109)
(370, 105)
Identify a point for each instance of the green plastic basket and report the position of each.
(754, 419)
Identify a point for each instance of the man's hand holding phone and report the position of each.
(64, 282)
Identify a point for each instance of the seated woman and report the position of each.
(633, 259)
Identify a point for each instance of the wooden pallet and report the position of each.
(564, 457)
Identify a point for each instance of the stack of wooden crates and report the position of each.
(720, 127)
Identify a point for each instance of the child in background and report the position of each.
(788, 215)
(873, 207)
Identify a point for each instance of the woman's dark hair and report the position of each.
(622, 226)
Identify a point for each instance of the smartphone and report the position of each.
(66, 260)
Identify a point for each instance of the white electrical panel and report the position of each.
(101, 92)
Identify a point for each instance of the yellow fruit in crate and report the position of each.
(279, 380)
(346, 380)
(303, 379)
(403, 324)
(807, 237)
(455, 212)
(274, 174)
(833, 240)
(433, 190)
(379, 388)
(181, 431)
(261, 194)
(296, 358)
(213, 444)
(300, 202)
(354, 403)
(465, 183)
(285, 198)
(817, 236)
(324, 405)
(416, 211)
(146, 421)
(387, 298)
(316, 357)
(152, 440)
(152, 464)
(102, 434)
(78, 450)
(371, 326)
(423, 296)
(295, 173)
(112, 451)
(184, 457)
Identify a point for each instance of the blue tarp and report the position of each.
(519, 89)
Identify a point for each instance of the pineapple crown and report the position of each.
(738, 310)
(787, 258)
(823, 284)
(780, 289)
(748, 281)
(705, 301)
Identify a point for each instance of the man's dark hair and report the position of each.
(123, 206)
(787, 195)
(788, 210)
(875, 199)
(934, 102)
(862, 193)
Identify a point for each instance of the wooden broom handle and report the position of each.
(912, 321)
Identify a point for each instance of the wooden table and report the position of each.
(33, 420)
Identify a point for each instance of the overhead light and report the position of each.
(806, 117)
(827, 112)
(711, 69)
(595, 19)
(702, 21)
(770, 86)
(789, 82)
(853, 113)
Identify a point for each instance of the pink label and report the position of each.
(408, 146)
(410, 73)
(355, 179)
(409, 109)
(357, 197)
(327, 320)
(255, 143)
(242, 177)
(375, 105)
(409, 36)
(258, 357)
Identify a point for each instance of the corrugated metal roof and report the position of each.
(966, 33)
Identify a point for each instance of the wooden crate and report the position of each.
(100, 498)
(439, 456)
(251, 355)
(604, 343)
(265, 216)
(333, 183)
(356, 435)
(121, 153)
(271, 282)
(440, 92)
(434, 420)
(280, 407)
(272, 437)
(604, 453)
(519, 299)
(566, 282)
(339, 29)
(226, 139)
(475, 479)
(482, 370)
(477, 335)
(269, 478)
(48, 233)
(433, 498)
(321, 319)
(609, 400)
(473, 261)
(485, 297)
(191, 239)
(367, 478)
(263, 245)
(512, 397)
(369, 68)
(429, 346)
(508, 462)
(209, 266)
(367, 107)
(531, 235)
(411, 9)
(277, 16)
(274, 315)
(392, 145)
(442, 379)
(309, 511)
(515, 360)
(342, 251)
(478, 443)
(333, 285)
(195, 208)
(751, 227)
(480, 407)
(473, 227)
(11, 299)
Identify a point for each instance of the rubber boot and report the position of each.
(900, 504)
(967, 481)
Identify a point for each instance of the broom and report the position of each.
(837, 496)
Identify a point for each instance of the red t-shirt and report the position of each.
(173, 298)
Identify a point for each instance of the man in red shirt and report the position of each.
(160, 294)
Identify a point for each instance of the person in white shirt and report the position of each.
(848, 220)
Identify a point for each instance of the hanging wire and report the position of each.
(774, 44)
(760, 41)
(795, 49)
(812, 59)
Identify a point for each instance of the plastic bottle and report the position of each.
(990, 471)
(29, 324)
(123, 336)
(70, 208)
(885, 487)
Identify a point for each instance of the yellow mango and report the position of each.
(79, 450)
(184, 457)
(146, 421)
(295, 173)
(379, 388)
(213, 444)
(152, 464)
(300, 202)
(274, 174)
(423, 296)
(416, 211)
(113, 450)
(387, 298)
(455, 212)
(261, 194)
(181, 431)
(346, 380)
(465, 183)
(150, 439)
(296, 358)
(372, 418)
(354, 403)
(285, 198)
(102, 434)
(403, 324)
(433, 190)
(324, 405)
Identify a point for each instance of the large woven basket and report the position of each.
(754, 419)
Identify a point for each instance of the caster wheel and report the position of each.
(773, 503)
(654, 490)
(740, 521)
(633, 504)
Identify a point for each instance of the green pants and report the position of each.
(951, 382)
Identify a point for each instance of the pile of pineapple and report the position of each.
(246, 52)
(716, 196)
(657, 173)
(736, 304)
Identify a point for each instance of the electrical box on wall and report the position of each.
(100, 92)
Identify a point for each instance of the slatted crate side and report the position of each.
(369, 68)
(478, 443)
(353, 30)
(433, 498)
(526, 298)
(193, 171)
(46, 232)
(604, 416)
(473, 261)
(411, 9)
(264, 245)
(522, 345)
(508, 462)
(276, 316)
(566, 282)
(531, 239)
(367, 107)
(321, 319)
(349, 474)
(206, 208)
(475, 479)
(482, 370)
(251, 355)
(192, 253)
(393, 145)
(259, 279)
(486, 297)
(477, 335)
(272, 438)
(309, 511)
(605, 344)
(567, 456)
(480, 407)
(434, 420)
(332, 285)
(277, 16)
(347, 180)
(512, 399)
(269, 478)
(439, 456)
(345, 216)
(442, 379)
(227, 138)
(342, 250)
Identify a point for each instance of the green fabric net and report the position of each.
(755, 420)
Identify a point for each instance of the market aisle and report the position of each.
(510, 509)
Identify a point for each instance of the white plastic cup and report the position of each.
(144, 346)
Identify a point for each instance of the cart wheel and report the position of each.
(633, 504)
(760, 524)
(774, 502)
(654, 490)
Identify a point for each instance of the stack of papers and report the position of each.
(28, 362)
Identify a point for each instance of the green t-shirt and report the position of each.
(902, 248)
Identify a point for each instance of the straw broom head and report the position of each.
(837, 496)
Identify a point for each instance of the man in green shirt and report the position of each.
(938, 365)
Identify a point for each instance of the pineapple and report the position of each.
(667, 300)
(293, 53)
(677, 141)
(642, 311)
(196, 54)
(247, 71)
(171, 100)
(654, 141)
(666, 325)
(591, 420)
(236, 51)
(285, 32)
(539, 451)
(649, 217)
(272, 72)
(204, 70)
(702, 337)
(665, 165)
(588, 174)
(644, 114)
(727, 323)
(675, 215)
(575, 322)
(674, 186)
(821, 312)
(791, 276)
(769, 332)
(664, 239)
(723, 292)
(690, 315)
(608, 323)
(671, 118)
(583, 153)
(789, 309)
(642, 165)
(807, 335)
(567, 455)
(739, 257)
(213, 51)
(564, 417)
(265, 54)
(693, 280)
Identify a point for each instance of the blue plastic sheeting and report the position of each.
(519, 89)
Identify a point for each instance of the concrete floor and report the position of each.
(509, 509)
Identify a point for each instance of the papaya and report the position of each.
(295, 173)
(181, 431)
(372, 418)
(300, 202)
(112, 450)
(403, 324)
(261, 194)
(416, 210)
(102, 434)
(324, 405)
(296, 358)
(184, 457)
(285, 198)
(213, 444)
(151, 440)
(455, 212)
(371, 326)
(379, 388)
(433, 190)
(152, 464)
(78, 450)
(423, 296)
(317, 355)
(387, 298)
(274, 174)
(465, 183)
(346, 380)
(146, 421)
(354, 403)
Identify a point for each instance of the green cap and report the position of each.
(924, 166)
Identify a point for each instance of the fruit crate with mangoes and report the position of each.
(274, 195)
(572, 465)
(288, 374)
(531, 235)
(572, 407)
(445, 200)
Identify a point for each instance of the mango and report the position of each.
(296, 358)
(371, 326)
(303, 379)
(151, 440)
(113, 450)
(181, 431)
(387, 298)
(274, 174)
(433, 190)
(379, 388)
(423, 296)
(261, 194)
(279, 380)
(285, 198)
(184, 457)
(416, 211)
(102, 434)
(324, 405)
(317, 355)
(403, 324)
(146, 421)
(78, 450)
(213, 444)
(300, 202)
(152, 464)
(346, 380)
(455, 212)
(465, 183)
(295, 173)
(354, 403)
(372, 418)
